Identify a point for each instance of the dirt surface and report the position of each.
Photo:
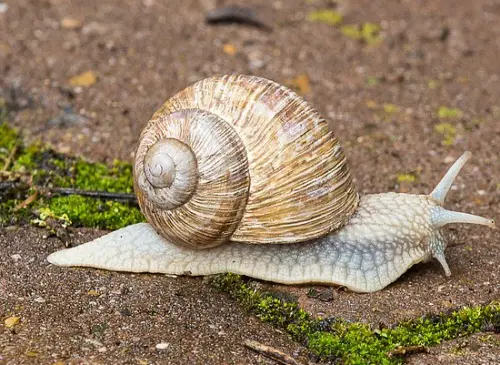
(89, 316)
(382, 102)
(479, 348)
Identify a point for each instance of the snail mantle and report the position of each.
(239, 174)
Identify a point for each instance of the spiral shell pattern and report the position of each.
(192, 180)
(266, 167)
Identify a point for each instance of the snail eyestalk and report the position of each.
(440, 191)
(440, 216)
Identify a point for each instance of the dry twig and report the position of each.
(123, 197)
(10, 158)
(270, 352)
(26, 202)
(407, 350)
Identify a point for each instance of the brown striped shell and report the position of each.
(241, 158)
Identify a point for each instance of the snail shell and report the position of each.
(241, 158)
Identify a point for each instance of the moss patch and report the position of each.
(368, 33)
(406, 178)
(37, 167)
(96, 176)
(8, 138)
(448, 113)
(357, 343)
(326, 16)
(448, 133)
(91, 212)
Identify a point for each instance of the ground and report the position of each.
(404, 100)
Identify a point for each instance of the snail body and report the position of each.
(238, 174)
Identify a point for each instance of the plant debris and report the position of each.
(326, 16)
(271, 353)
(85, 79)
(236, 15)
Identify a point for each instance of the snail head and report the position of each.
(441, 216)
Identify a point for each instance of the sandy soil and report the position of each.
(432, 54)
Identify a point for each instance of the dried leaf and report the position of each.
(11, 322)
(85, 79)
(26, 202)
(229, 49)
(300, 84)
(71, 23)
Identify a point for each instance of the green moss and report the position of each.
(448, 113)
(369, 33)
(10, 216)
(90, 212)
(372, 81)
(8, 137)
(390, 108)
(96, 176)
(29, 158)
(325, 16)
(358, 343)
(46, 169)
(432, 84)
(45, 213)
(448, 131)
(406, 178)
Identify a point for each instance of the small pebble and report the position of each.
(70, 23)
(68, 118)
(162, 346)
(16, 257)
(94, 342)
(256, 64)
(449, 159)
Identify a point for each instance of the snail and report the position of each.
(239, 174)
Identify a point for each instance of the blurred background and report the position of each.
(397, 80)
